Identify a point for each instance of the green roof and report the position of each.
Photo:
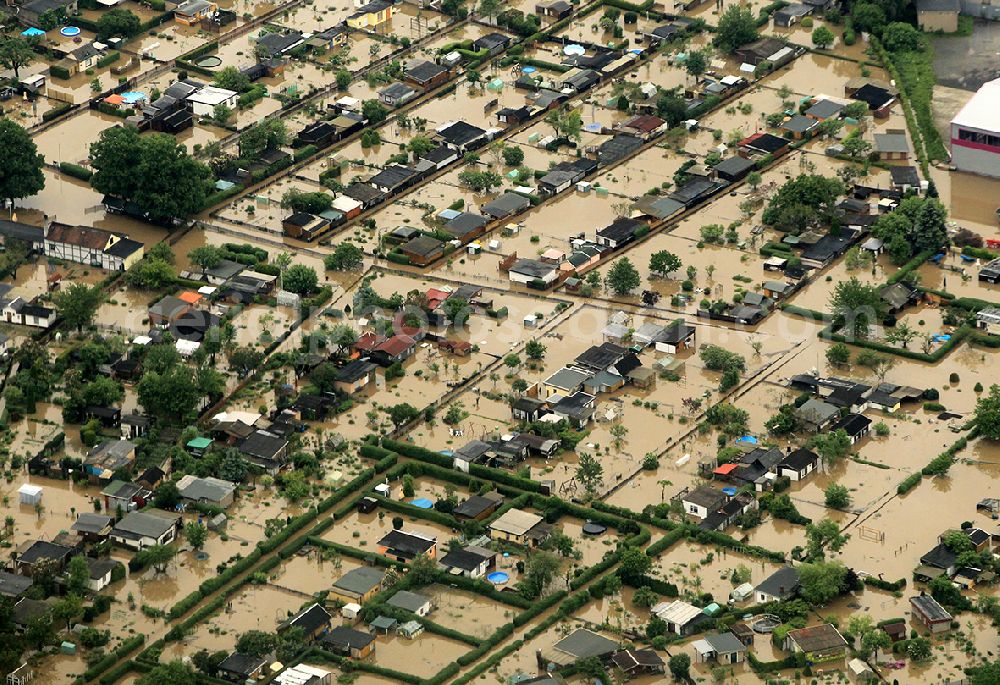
(199, 443)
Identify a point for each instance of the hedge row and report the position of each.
(496, 475)
(894, 586)
(937, 466)
(76, 171)
(355, 553)
(910, 266)
(113, 657)
(348, 665)
(56, 111)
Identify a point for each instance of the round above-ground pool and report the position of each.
(498, 577)
(591, 528)
(209, 61)
(422, 503)
(70, 30)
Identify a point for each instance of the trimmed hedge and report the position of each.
(113, 657)
(911, 265)
(886, 585)
(56, 111)
(76, 171)
(109, 58)
(483, 472)
(348, 665)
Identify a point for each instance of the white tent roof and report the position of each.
(981, 111)
(677, 612)
(29, 489)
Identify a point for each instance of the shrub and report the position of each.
(76, 171)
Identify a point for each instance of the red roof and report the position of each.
(396, 345)
(726, 469)
(435, 297)
(368, 342)
(646, 123)
(190, 297)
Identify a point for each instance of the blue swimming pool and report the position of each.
(422, 503)
(498, 577)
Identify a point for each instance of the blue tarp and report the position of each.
(32, 32)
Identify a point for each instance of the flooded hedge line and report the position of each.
(111, 658)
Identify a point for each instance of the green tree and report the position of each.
(988, 414)
(815, 196)
(256, 643)
(868, 17)
(77, 575)
(300, 279)
(206, 257)
(901, 333)
(737, 27)
(821, 581)
(823, 535)
(833, 445)
(420, 145)
(635, 565)
(150, 274)
(245, 359)
(875, 640)
(534, 349)
(345, 257)
(663, 262)
(622, 277)
(167, 496)
(540, 568)
(78, 304)
(118, 23)
(20, 164)
(480, 181)
(566, 123)
(268, 134)
(374, 111)
(986, 674)
(513, 155)
(154, 171)
(173, 673)
(680, 666)
(233, 79)
(68, 608)
(858, 305)
(423, 570)
(930, 229)
(838, 354)
(837, 496)
(343, 78)
(16, 51)
(589, 473)
(645, 597)
(696, 64)
(401, 414)
(822, 37)
(171, 395)
(902, 37)
(196, 534)
(221, 114)
(159, 556)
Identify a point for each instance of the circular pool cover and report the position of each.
(591, 528)
(70, 30)
(422, 503)
(209, 62)
(498, 577)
